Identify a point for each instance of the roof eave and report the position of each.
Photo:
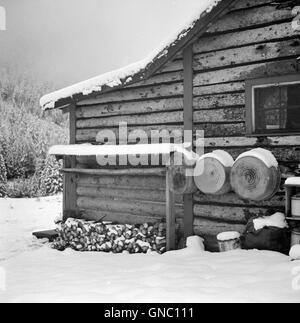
(195, 32)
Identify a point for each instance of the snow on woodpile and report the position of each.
(276, 220)
(264, 155)
(124, 75)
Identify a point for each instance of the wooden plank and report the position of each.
(135, 207)
(159, 105)
(170, 216)
(143, 119)
(220, 115)
(216, 115)
(219, 88)
(252, 17)
(126, 108)
(219, 101)
(245, 37)
(130, 94)
(231, 199)
(242, 73)
(51, 235)
(118, 172)
(188, 127)
(210, 130)
(253, 141)
(121, 217)
(141, 182)
(227, 214)
(222, 129)
(170, 77)
(248, 54)
(204, 227)
(69, 194)
(129, 193)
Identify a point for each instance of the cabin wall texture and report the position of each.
(253, 40)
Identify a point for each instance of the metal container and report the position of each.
(295, 238)
(296, 206)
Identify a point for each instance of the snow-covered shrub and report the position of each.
(23, 187)
(51, 180)
(3, 177)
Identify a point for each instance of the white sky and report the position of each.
(66, 41)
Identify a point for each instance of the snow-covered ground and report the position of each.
(31, 271)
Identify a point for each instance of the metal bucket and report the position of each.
(229, 245)
(296, 205)
(295, 238)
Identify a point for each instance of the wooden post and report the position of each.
(69, 195)
(170, 216)
(188, 126)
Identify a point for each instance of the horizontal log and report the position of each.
(282, 154)
(134, 207)
(122, 217)
(129, 94)
(217, 115)
(176, 132)
(250, 18)
(245, 37)
(143, 119)
(231, 199)
(242, 73)
(170, 77)
(118, 172)
(115, 109)
(219, 101)
(227, 214)
(247, 54)
(253, 141)
(128, 194)
(207, 227)
(220, 115)
(217, 129)
(140, 182)
(145, 107)
(218, 88)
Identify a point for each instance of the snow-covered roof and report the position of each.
(131, 73)
(105, 150)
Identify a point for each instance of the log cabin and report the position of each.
(232, 72)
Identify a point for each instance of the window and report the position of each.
(273, 105)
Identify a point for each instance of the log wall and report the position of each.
(253, 40)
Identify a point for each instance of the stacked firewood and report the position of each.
(83, 235)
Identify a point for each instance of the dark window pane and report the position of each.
(277, 108)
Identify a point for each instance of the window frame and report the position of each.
(250, 86)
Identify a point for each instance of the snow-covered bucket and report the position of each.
(295, 238)
(212, 173)
(229, 241)
(296, 206)
(255, 175)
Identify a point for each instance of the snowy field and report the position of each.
(31, 271)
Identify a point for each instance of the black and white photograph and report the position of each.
(149, 154)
